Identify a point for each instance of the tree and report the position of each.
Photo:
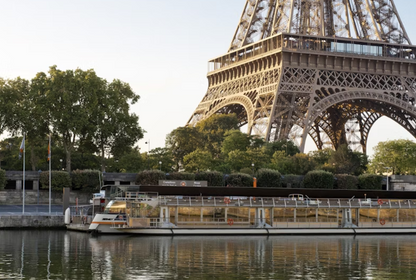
(235, 140)
(301, 164)
(9, 100)
(116, 129)
(321, 157)
(213, 131)
(182, 141)
(345, 161)
(281, 162)
(238, 159)
(83, 108)
(72, 100)
(160, 158)
(198, 160)
(396, 156)
(287, 146)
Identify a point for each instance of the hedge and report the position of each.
(293, 181)
(319, 179)
(60, 180)
(269, 178)
(214, 178)
(150, 177)
(370, 182)
(346, 182)
(239, 180)
(182, 176)
(86, 180)
(3, 179)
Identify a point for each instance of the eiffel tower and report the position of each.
(327, 68)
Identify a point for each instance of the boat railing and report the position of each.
(279, 202)
(137, 196)
(81, 214)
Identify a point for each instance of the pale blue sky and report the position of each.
(160, 47)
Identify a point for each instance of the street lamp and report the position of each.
(252, 169)
(148, 152)
(61, 164)
(160, 165)
(387, 178)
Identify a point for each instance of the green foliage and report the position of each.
(86, 180)
(214, 178)
(288, 147)
(183, 176)
(281, 162)
(198, 160)
(396, 156)
(321, 157)
(159, 158)
(235, 140)
(213, 131)
(150, 177)
(247, 170)
(238, 159)
(346, 182)
(239, 180)
(3, 179)
(292, 181)
(183, 141)
(319, 179)
(268, 178)
(60, 180)
(370, 182)
(346, 161)
(301, 164)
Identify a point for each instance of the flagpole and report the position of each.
(24, 178)
(50, 173)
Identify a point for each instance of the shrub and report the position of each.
(370, 182)
(60, 180)
(239, 180)
(182, 176)
(214, 178)
(319, 179)
(150, 177)
(3, 179)
(293, 181)
(269, 178)
(86, 180)
(346, 182)
(247, 170)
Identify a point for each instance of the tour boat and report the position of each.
(151, 214)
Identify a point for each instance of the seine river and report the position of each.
(73, 255)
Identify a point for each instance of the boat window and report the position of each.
(115, 207)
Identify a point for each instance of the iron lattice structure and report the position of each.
(327, 68)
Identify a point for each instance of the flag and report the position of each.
(22, 147)
(49, 149)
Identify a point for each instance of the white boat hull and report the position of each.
(265, 231)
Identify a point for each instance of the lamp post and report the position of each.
(252, 169)
(160, 166)
(60, 160)
(148, 153)
(387, 178)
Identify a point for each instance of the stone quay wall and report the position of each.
(15, 197)
(14, 222)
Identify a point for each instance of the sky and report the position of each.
(160, 47)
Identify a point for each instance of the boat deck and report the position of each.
(251, 202)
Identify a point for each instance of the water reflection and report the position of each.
(71, 255)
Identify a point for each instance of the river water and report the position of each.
(72, 255)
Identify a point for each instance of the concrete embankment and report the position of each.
(25, 222)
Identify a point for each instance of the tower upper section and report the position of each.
(360, 19)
